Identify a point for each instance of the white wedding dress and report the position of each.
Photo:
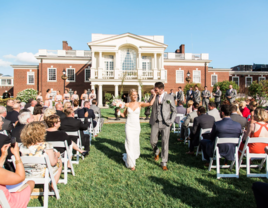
(132, 143)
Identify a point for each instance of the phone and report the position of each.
(13, 141)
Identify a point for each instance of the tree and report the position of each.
(187, 87)
(27, 94)
(259, 91)
(224, 86)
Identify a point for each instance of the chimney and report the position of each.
(177, 51)
(182, 48)
(65, 46)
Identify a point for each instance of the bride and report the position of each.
(132, 128)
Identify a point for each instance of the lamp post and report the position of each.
(188, 78)
(64, 77)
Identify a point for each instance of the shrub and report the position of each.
(259, 91)
(224, 86)
(4, 101)
(27, 94)
(187, 87)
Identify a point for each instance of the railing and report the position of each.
(158, 74)
(128, 74)
(72, 53)
(186, 56)
(196, 56)
(96, 73)
(108, 74)
(147, 74)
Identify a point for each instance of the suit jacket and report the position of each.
(205, 95)
(196, 96)
(217, 96)
(190, 118)
(60, 114)
(27, 105)
(9, 108)
(173, 94)
(215, 113)
(12, 116)
(226, 128)
(7, 125)
(168, 110)
(81, 114)
(239, 119)
(203, 121)
(180, 110)
(17, 131)
(188, 95)
(233, 95)
(96, 110)
(180, 96)
(5, 140)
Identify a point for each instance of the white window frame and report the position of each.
(48, 75)
(216, 79)
(6, 82)
(237, 78)
(182, 73)
(246, 81)
(87, 69)
(199, 71)
(147, 61)
(108, 62)
(166, 76)
(67, 75)
(30, 73)
(264, 78)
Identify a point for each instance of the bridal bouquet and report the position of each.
(117, 103)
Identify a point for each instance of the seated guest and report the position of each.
(235, 117)
(49, 112)
(203, 121)
(59, 110)
(10, 104)
(189, 107)
(71, 124)
(91, 114)
(31, 108)
(247, 103)
(257, 129)
(53, 134)
(226, 128)
(252, 105)
(33, 140)
(67, 105)
(213, 111)
(29, 103)
(244, 110)
(96, 110)
(7, 125)
(76, 105)
(13, 115)
(38, 113)
(19, 199)
(238, 109)
(24, 118)
(180, 110)
(189, 119)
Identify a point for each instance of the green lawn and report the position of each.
(103, 181)
(109, 112)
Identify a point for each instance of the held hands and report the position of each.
(16, 150)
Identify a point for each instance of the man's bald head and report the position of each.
(59, 107)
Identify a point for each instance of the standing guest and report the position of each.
(7, 125)
(180, 110)
(244, 110)
(189, 119)
(96, 111)
(66, 96)
(91, 114)
(235, 117)
(76, 105)
(226, 128)
(10, 104)
(19, 199)
(13, 115)
(38, 113)
(173, 94)
(205, 97)
(28, 104)
(48, 98)
(58, 98)
(33, 137)
(84, 97)
(213, 111)
(203, 121)
(33, 103)
(180, 95)
(24, 118)
(189, 107)
(189, 94)
(231, 94)
(92, 96)
(217, 96)
(59, 111)
(196, 95)
(39, 96)
(75, 96)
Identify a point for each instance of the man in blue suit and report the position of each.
(81, 113)
(226, 128)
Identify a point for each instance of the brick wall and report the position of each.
(20, 80)
(222, 76)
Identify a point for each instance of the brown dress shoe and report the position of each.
(156, 157)
(164, 168)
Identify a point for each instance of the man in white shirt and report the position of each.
(33, 103)
(213, 111)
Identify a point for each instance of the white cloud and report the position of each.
(9, 56)
(25, 58)
(4, 63)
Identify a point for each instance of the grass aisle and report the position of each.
(103, 181)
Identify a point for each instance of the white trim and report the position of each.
(181, 63)
(199, 73)
(216, 79)
(182, 73)
(30, 73)
(67, 80)
(246, 80)
(6, 85)
(238, 79)
(264, 78)
(85, 74)
(48, 75)
(166, 71)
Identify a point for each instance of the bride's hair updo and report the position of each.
(131, 91)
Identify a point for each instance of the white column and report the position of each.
(100, 66)
(100, 96)
(117, 64)
(139, 91)
(93, 65)
(155, 61)
(93, 87)
(162, 61)
(140, 61)
(115, 90)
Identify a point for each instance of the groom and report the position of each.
(163, 116)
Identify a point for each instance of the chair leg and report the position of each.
(197, 151)
(46, 190)
(217, 162)
(210, 164)
(248, 164)
(262, 162)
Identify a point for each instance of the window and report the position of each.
(196, 76)
(179, 76)
(146, 63)
(71, 75)
(235, 80)
(87, 74)
(214, 79)
(248, 81)
(30, 78)
(109, 62)
(261, 78)
(128, 59)
(6, 82)
(52, 75)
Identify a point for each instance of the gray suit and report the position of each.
(173, 95)
(239, 119)
(189, 95)
(189, 119)
(163, 115)
(196, 96)
(97, 110)
(233, 95)
(205, 98)
(217, 96)
(215, 113)
(180, 96)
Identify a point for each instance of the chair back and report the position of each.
(62, 144)
(205, 131)
(256, 140)
(72, 133)
(226, 140)
(3, 200)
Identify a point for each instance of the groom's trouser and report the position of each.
(165, 131)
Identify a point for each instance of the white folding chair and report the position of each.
(49, 176)
(181, 116)
(67, 157)
(79, 144)
(202, 131)
(249, 156)
(188, 129)
(3, 200)
(218, 140)
(90, 129)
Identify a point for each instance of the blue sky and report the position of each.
(232, 31)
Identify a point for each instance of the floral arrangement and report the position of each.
(27, 94)
(117, 103)
(147, 97)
